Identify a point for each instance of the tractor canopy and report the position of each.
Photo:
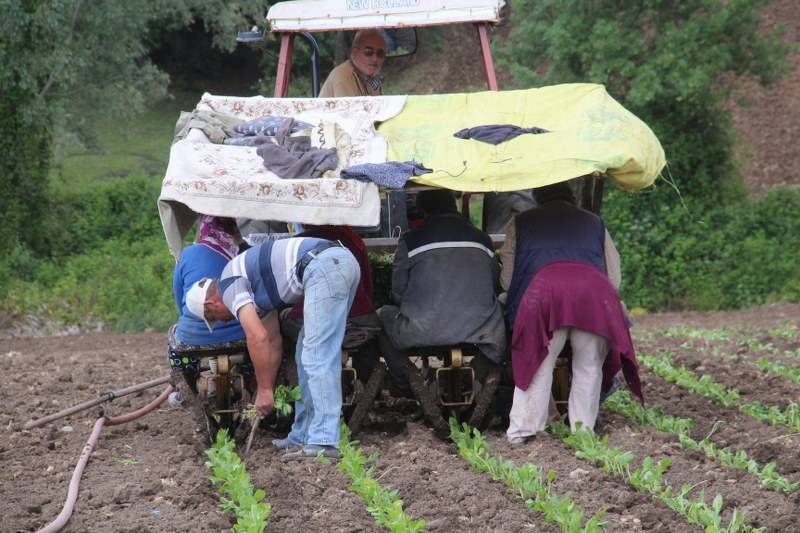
(336, 15)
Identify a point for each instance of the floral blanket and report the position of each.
(225, 180)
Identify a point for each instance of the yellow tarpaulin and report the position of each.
(588, 131)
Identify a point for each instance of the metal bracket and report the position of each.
(455, 357)
(223, 365)
(455, 384)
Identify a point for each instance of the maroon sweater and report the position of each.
(571, 294)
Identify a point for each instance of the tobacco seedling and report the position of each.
(383, 504)
(232, 480)
(706, 386)
(789, 417)
(283, 398)
(649, 479)
(622, 402)
(718, 334)
(776, 367)
(703, 385)
(527, 480)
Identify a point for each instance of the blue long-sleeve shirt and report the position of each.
(197, 262)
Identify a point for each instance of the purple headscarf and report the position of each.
(220, 234)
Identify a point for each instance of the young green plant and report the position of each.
(283, 398)
(232, 480)
(728, 397)
(622, 402)
(383, 504)
(527, 480)
(649, 479)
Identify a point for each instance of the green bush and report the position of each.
(735, 255)
(128, 285)
(123, 209)
(110, 262)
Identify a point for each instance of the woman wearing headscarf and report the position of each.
(217, 243)
(562, 274)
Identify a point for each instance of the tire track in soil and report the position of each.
(164, 488)
(436, 484)
(305, 495)
(760, 506)
(591, 488)
(761, 441)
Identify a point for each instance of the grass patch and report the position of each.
(127, 285)
(139, 146)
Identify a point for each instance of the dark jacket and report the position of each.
(445, 285)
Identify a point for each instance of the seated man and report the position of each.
(217, 243)
(358, 76)
(270, 277)
(445, 285)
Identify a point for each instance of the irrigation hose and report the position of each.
(72, 494)
(104, 397)
(133, 415)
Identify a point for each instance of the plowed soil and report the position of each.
(149, 475)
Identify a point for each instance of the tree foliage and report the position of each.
(673, 63)
(63, 63)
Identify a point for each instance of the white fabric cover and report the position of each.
(224, 180)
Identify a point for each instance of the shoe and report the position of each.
(519, 442)
(310, 451)
(615, 384)
(285, 444)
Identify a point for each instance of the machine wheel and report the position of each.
(482, 412)
(426, 397)
(368, 395)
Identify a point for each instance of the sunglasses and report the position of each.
(369, 51)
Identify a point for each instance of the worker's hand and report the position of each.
(264, 401)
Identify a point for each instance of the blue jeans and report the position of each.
(329, 285)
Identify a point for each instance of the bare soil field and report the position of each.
(149, 475)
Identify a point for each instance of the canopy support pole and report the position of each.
(486, 54)
(284, 65)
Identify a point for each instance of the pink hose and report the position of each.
(133, 415)
(72, 494)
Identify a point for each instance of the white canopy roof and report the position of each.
(334, 15)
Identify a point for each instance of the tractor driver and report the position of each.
(359, 75)
(273, 276)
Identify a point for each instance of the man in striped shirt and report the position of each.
(266, 279)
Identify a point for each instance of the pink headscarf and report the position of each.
(220, 234)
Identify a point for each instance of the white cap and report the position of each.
(196, 297)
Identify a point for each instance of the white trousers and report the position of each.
(529, 408)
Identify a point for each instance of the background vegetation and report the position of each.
(87, 124)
